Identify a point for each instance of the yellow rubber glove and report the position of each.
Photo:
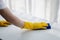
(40, 25)
(28, 25)
(35, 25)
(4, 23)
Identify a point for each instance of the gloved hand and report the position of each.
(4, 23)
(35, 25)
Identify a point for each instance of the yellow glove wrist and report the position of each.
(28, 25)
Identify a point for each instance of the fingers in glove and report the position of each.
(7, 23)
(3, 25)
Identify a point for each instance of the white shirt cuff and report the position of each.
(2, 4)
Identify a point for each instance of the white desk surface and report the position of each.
(13, 33)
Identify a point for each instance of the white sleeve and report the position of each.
(2, 4)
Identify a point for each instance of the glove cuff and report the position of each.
(28, 25)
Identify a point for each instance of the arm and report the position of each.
(7, 14)
(14, 20)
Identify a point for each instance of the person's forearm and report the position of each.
(22, 24)
(7, 14)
